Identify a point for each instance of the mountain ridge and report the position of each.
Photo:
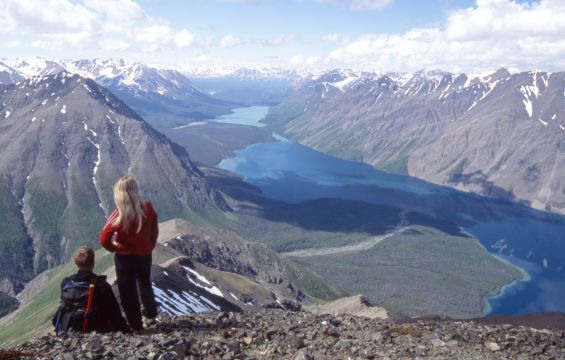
(163, 96)
(74, 139)
(467, 133)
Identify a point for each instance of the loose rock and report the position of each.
(293, 335)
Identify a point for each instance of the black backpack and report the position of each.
(71, 314)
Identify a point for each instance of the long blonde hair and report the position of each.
(128, 202)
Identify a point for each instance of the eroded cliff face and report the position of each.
(500, 135)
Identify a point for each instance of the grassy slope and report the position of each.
(307, 281)
(311, 283)
(34, 318)
(420, 272)
(316, 223)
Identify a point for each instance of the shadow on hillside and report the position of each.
(487, 187)
(331, 214)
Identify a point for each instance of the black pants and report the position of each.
(134, 272)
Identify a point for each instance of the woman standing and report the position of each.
(131, 232)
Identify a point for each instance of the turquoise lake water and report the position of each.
(244, 116)
(532, 240)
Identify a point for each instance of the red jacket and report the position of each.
(132, 243)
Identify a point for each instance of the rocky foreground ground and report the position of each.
(279, 334)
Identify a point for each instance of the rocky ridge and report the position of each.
(357, 305)
(279, 334)
(196, 269)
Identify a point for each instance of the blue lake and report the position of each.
(532, 240)
(244, 116)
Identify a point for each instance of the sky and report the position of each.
(376, 35)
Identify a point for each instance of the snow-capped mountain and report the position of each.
(25, 68)
(247, 86)
(164, 97)
(247, 73)
(500, 135)
(135, 78)
(117, 73)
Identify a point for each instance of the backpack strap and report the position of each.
(88, 310)
(58, 320)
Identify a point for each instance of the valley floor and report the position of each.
(277, 334)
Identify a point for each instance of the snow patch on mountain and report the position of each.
(341, 85)
(33, 66)
(182, 303)
(208, 286)
(247, 73)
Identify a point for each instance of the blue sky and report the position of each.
(387, 35)
(308, 18)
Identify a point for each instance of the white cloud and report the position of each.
(311, 60)
(300, 60)
(48, 44)
(110, 24)
(358, 5)
(114, 45)
(230, 41)
(150, 48)
(369, 5)
(297, 60)
(253, 2)
(25, 16)
(279, 40)
(184, 38)
(201, 58)
(331, 37)
(153, 34)
(12, 44)
(489, 35)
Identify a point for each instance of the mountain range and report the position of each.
(247, 86)
(65, 140)
(168, 100)
(500, 135)
(164, 97)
